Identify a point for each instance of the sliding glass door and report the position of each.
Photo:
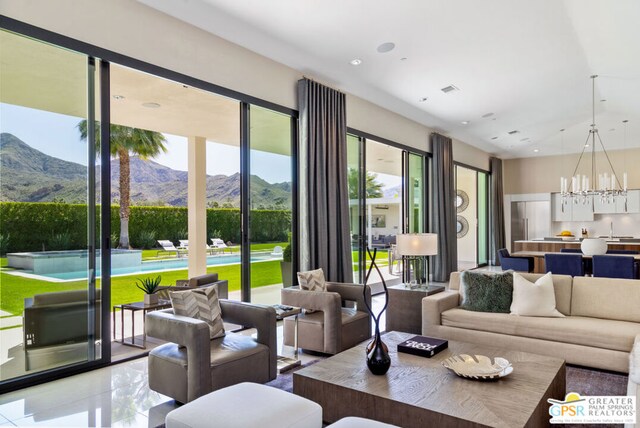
(50, 234)
(387, 197)
(471, 217)
(271, 204)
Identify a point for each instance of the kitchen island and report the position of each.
(556, 245)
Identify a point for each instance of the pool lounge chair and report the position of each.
(184, 245)
(168, 247)
(277, 251)
(218, 245)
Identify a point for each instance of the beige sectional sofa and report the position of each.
(601, 323)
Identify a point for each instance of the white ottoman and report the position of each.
(353, 422)
(247, 405)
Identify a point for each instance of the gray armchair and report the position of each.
(194, 365)
(337, 324)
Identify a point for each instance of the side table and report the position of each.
(404, 312)
(282, 312)
(135, 307)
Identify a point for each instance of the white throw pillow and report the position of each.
(534, 300)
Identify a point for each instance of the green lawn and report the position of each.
(14, 289)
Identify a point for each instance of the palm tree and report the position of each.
(373, 187)
(126, 141)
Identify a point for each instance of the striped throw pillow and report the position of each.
(201, 304)
(312, 280)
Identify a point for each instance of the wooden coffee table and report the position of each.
(419, 392)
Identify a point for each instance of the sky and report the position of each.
(57, 135)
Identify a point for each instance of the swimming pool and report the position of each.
(158, 266)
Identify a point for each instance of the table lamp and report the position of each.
(415, 247)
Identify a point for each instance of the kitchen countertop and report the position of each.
(614, 241)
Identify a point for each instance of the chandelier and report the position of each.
(580, 188)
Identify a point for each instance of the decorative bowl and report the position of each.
(478, 366)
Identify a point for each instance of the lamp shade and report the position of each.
(417, 244)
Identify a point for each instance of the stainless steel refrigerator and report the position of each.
(530, 220)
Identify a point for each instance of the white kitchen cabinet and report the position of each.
(632, 205)
(582, 211)
(605, 207)
(560, 212)
(571, 211)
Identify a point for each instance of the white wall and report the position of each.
(542, 174)
(135, 30)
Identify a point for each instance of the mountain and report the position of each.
(28, 175)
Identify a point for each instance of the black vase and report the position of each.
(378, 359)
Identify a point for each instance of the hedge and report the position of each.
(39, 226)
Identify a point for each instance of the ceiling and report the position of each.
(527, 62)
(61, 87)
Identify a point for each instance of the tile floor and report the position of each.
(116, 396)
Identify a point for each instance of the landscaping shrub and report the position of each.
(4, 243)
(33, 225)
(60, 241)
(144, 239)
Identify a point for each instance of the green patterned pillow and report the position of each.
(486, 292)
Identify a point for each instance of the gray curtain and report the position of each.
(324, 196)
(496, 208)
(443, 216)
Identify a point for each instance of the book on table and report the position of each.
(423, 346)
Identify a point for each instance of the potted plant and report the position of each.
(149, 286)
(286, 266)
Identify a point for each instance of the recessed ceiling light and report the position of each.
(612, 129)
(536, 150)
(404, 58)
(586, 145)
(487, 115)
(562, 130)
(386, 47)
(625, 121)
(355, 61)
(151, 105)
(118, 97)
(602, 100)
(423, 99)
(494, 138)
(525, 139)
(450, 88)
(380, 159)
(465, 122)
(513, 132)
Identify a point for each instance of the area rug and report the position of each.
(284, 381)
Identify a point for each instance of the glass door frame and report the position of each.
(245, 198)
(487, 188)
(363, 137)
(101, 68)
(102, 59)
